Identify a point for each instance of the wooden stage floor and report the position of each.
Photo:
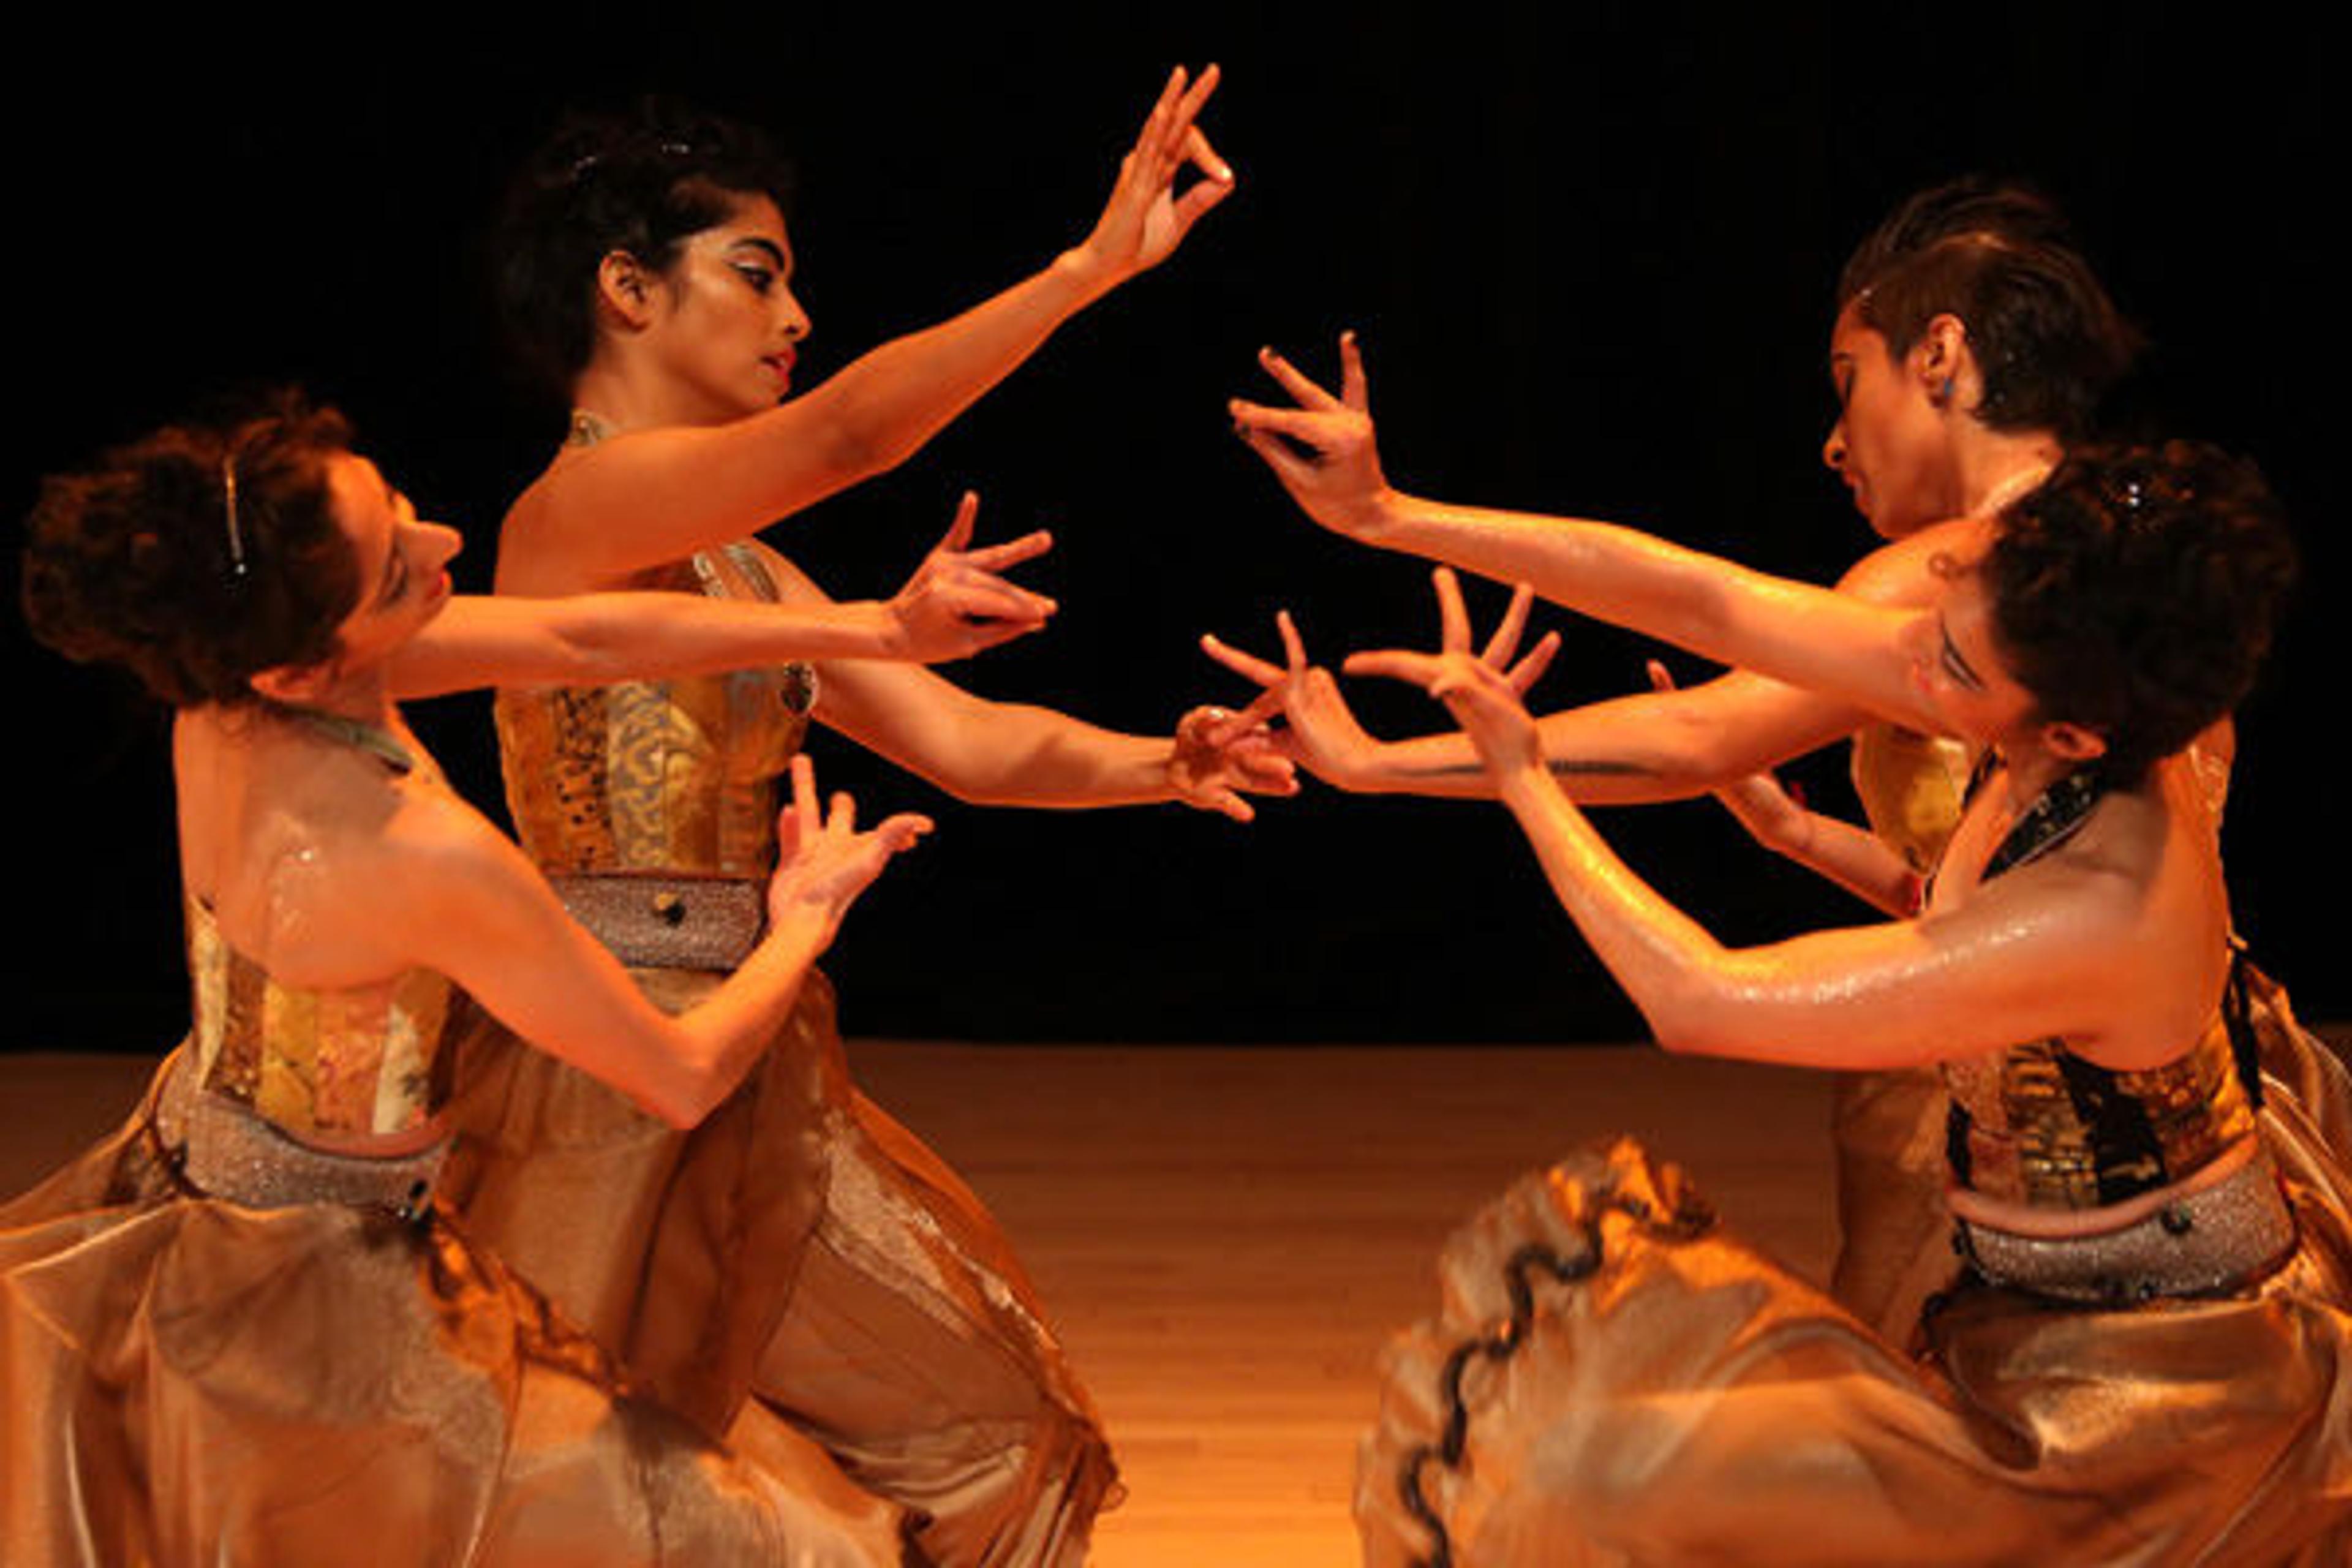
(1225, 1235)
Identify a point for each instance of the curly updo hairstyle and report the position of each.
(642, 184)
(133, 562)
(2134, 592)
(2048, 342)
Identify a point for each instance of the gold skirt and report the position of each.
(798, 1257)
(1671, 1396)
(188, 1381)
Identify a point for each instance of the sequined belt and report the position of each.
(664, 920)
(2217, 1240)
(222, 1149)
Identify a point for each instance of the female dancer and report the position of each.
(2143, 1358)
(799, 1252)
(243, 1329)
(1972, 344)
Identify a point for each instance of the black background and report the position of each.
(1589, 250)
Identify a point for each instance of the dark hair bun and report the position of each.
(132, 563)
(2136, 592)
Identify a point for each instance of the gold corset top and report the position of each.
(1912, 788)
(659, 775)
(357, 1061)
(2036, 1124)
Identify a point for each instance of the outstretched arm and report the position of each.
(1323, 452)
(2036, 953)
(1012, 754)
(954, 605)
(1664, 746)
(647, 497)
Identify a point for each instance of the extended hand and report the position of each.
(955, 604)
(1321, 734)
(823, 861)
(1219, 755)
(1484, 693)
(1145, 219)
(1322, 449)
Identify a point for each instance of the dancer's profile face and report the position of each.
(1958, 670)
(1889, 443)
(404, 561)
(727, 325)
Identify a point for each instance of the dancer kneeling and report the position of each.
(242, 1329)
(2140, 1357)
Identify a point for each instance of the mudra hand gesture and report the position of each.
(1219, 755)
(956, 604)
(1486, 691)
(1322, 449)
(1145, 219)
(823, 861)
(1321, 732)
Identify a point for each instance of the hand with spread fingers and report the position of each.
(1322, 448)
(823, 861)
(1321, 732)
(956, 604)
(1220, 756)
(1146, 217)
(1485, 692)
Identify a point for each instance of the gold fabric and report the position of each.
(1912, 787)
(2029, 1141)
(186, 1381)
(355, 1061)
(666, 775)
(1893, 1237)
(1689, 1401)
(797, 1255)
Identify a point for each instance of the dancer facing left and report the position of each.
(240, 1329)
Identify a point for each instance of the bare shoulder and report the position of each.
(1903, 574)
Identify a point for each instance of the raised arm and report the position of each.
(1323, 452)
(468, 904)
(954, 605)
(647, 496)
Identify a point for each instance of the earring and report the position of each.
(1941, 395)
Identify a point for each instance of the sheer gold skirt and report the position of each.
(1682, 1399)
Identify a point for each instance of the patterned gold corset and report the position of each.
(352, 1062)
(1912, 788)
(666, 775)
(2039, 1125)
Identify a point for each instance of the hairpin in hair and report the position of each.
(229, 503)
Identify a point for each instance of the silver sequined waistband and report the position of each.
(656, 920)
(224, 1150)
(2227, 1236)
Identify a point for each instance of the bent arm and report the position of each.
(2031, 955)
(472, 907)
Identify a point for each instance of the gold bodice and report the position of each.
(352, 1062)
(1912, 788)
(668, 775)
(2041, 1126)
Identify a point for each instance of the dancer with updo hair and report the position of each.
(800, 1254)
(2145, 1353)
(245, 1328)
(1972, 345)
